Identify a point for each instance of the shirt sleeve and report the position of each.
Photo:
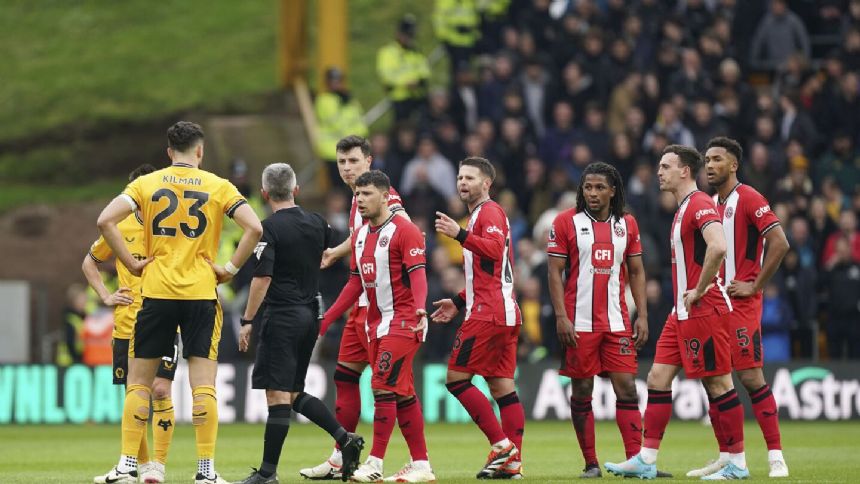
(395, 203)
(231, 198)
(558, 243)
(487, 237)
(412, 245)
(134, 192)
(703, 212)
(353, 263)
(265, 253)
(634, 241)
(100, 251)
(759, 213)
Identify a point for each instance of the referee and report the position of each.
(286, 278)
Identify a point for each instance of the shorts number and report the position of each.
(692, 346)
(625, 346)
(743, 337)
(384, 361)
(200, 198)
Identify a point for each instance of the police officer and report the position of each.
(404, 71)
(286, 278)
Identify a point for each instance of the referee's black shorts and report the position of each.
(287, 338)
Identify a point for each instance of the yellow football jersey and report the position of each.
(124, 317)
(182, 209)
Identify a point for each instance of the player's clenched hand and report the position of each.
(245, 337)
(422, 321)
(220, 273)
(328, 258)
(640, 332)
(122, 297)
(136, 267)
(566, 334)
(445, 311)
(446, 225)
(741, 289)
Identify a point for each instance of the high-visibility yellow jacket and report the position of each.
(457, 22)
(335, 120)
(493, 9)
(402, 71)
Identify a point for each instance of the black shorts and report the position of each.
(287, 338)
(200, 322)
(167, 368)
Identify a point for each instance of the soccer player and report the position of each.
(695, 336)
(386, 251)
(486, 343)
(749, 225)
(598, 245)
(126, 302)
(287, 277)
(353, 160)
(181, 207)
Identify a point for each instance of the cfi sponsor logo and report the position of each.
(761, 211)
(705, 211)
(416, 251)
(729, 212)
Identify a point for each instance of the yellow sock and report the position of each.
(163, 423)
(204, 417)
(135, 413)
(143, 451)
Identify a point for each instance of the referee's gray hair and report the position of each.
(279, 180)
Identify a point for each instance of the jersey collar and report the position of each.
(182, 165)
(688, 197)
(594, 219)
(480, 205)
(371, 228)
(722, 201)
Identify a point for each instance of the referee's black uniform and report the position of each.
(289, 252)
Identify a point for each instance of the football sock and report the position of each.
(714, 414)
(143, 450)
(767, 415)
(513, 419)
(384, 418)
(204, 418)
(135, 413)
(410, 418)
(347, 407)
(163, 424)
(277, 427)
(479, 409)
(657, 415)
(316, 411)
(583, 422)
(629, 422)
(731, 420)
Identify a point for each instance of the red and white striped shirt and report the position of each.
(596, 251)
(384, 256)
(696, 212)
(356, 221)
(488, 258)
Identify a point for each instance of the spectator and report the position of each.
(703, 125)
(847, 231)
(623, 98)
(691, 80)
(384, 158)
(577, 87)
(796, 124)
(556, 143)
(621, 155)
(457, 25)
(404, 71)
(798, 284)
(840, 162)
(338, 114)
(71, 348)
(842, 283)
(775, 326)
(593, 133)
(801, 242)
(493, 85)
(780, 34)
(429, 162)
(534, 84)
(670, 124)
(464, 99)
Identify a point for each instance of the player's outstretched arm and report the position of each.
(252, 230)
(636, 271)
(334, 254)
(564, 328)
(348, 297)
(118, 209)
(714, 254)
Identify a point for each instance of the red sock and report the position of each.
(479, 409)
(629, 422)
(583, 423)
(731, 420)
(348, 398)
(657, 415)
(764, 407)
(714, 414)
(411, 421)
(513, 420)
(384, 418)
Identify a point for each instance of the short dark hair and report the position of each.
(184, 135)
(687, 155)
(144, 169)
(353, 141)
(616, 205)
(730, 145)
(376, 178)
(481, 164)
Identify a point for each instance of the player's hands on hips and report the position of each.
(328, 258)
(245, 337)
(640, 332)
(566, 333)
(221, 273)
(741, 289)
(136, 267)
(122, 297)
(445, 311)
(446, 225)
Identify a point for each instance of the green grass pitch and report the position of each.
(815, 452)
